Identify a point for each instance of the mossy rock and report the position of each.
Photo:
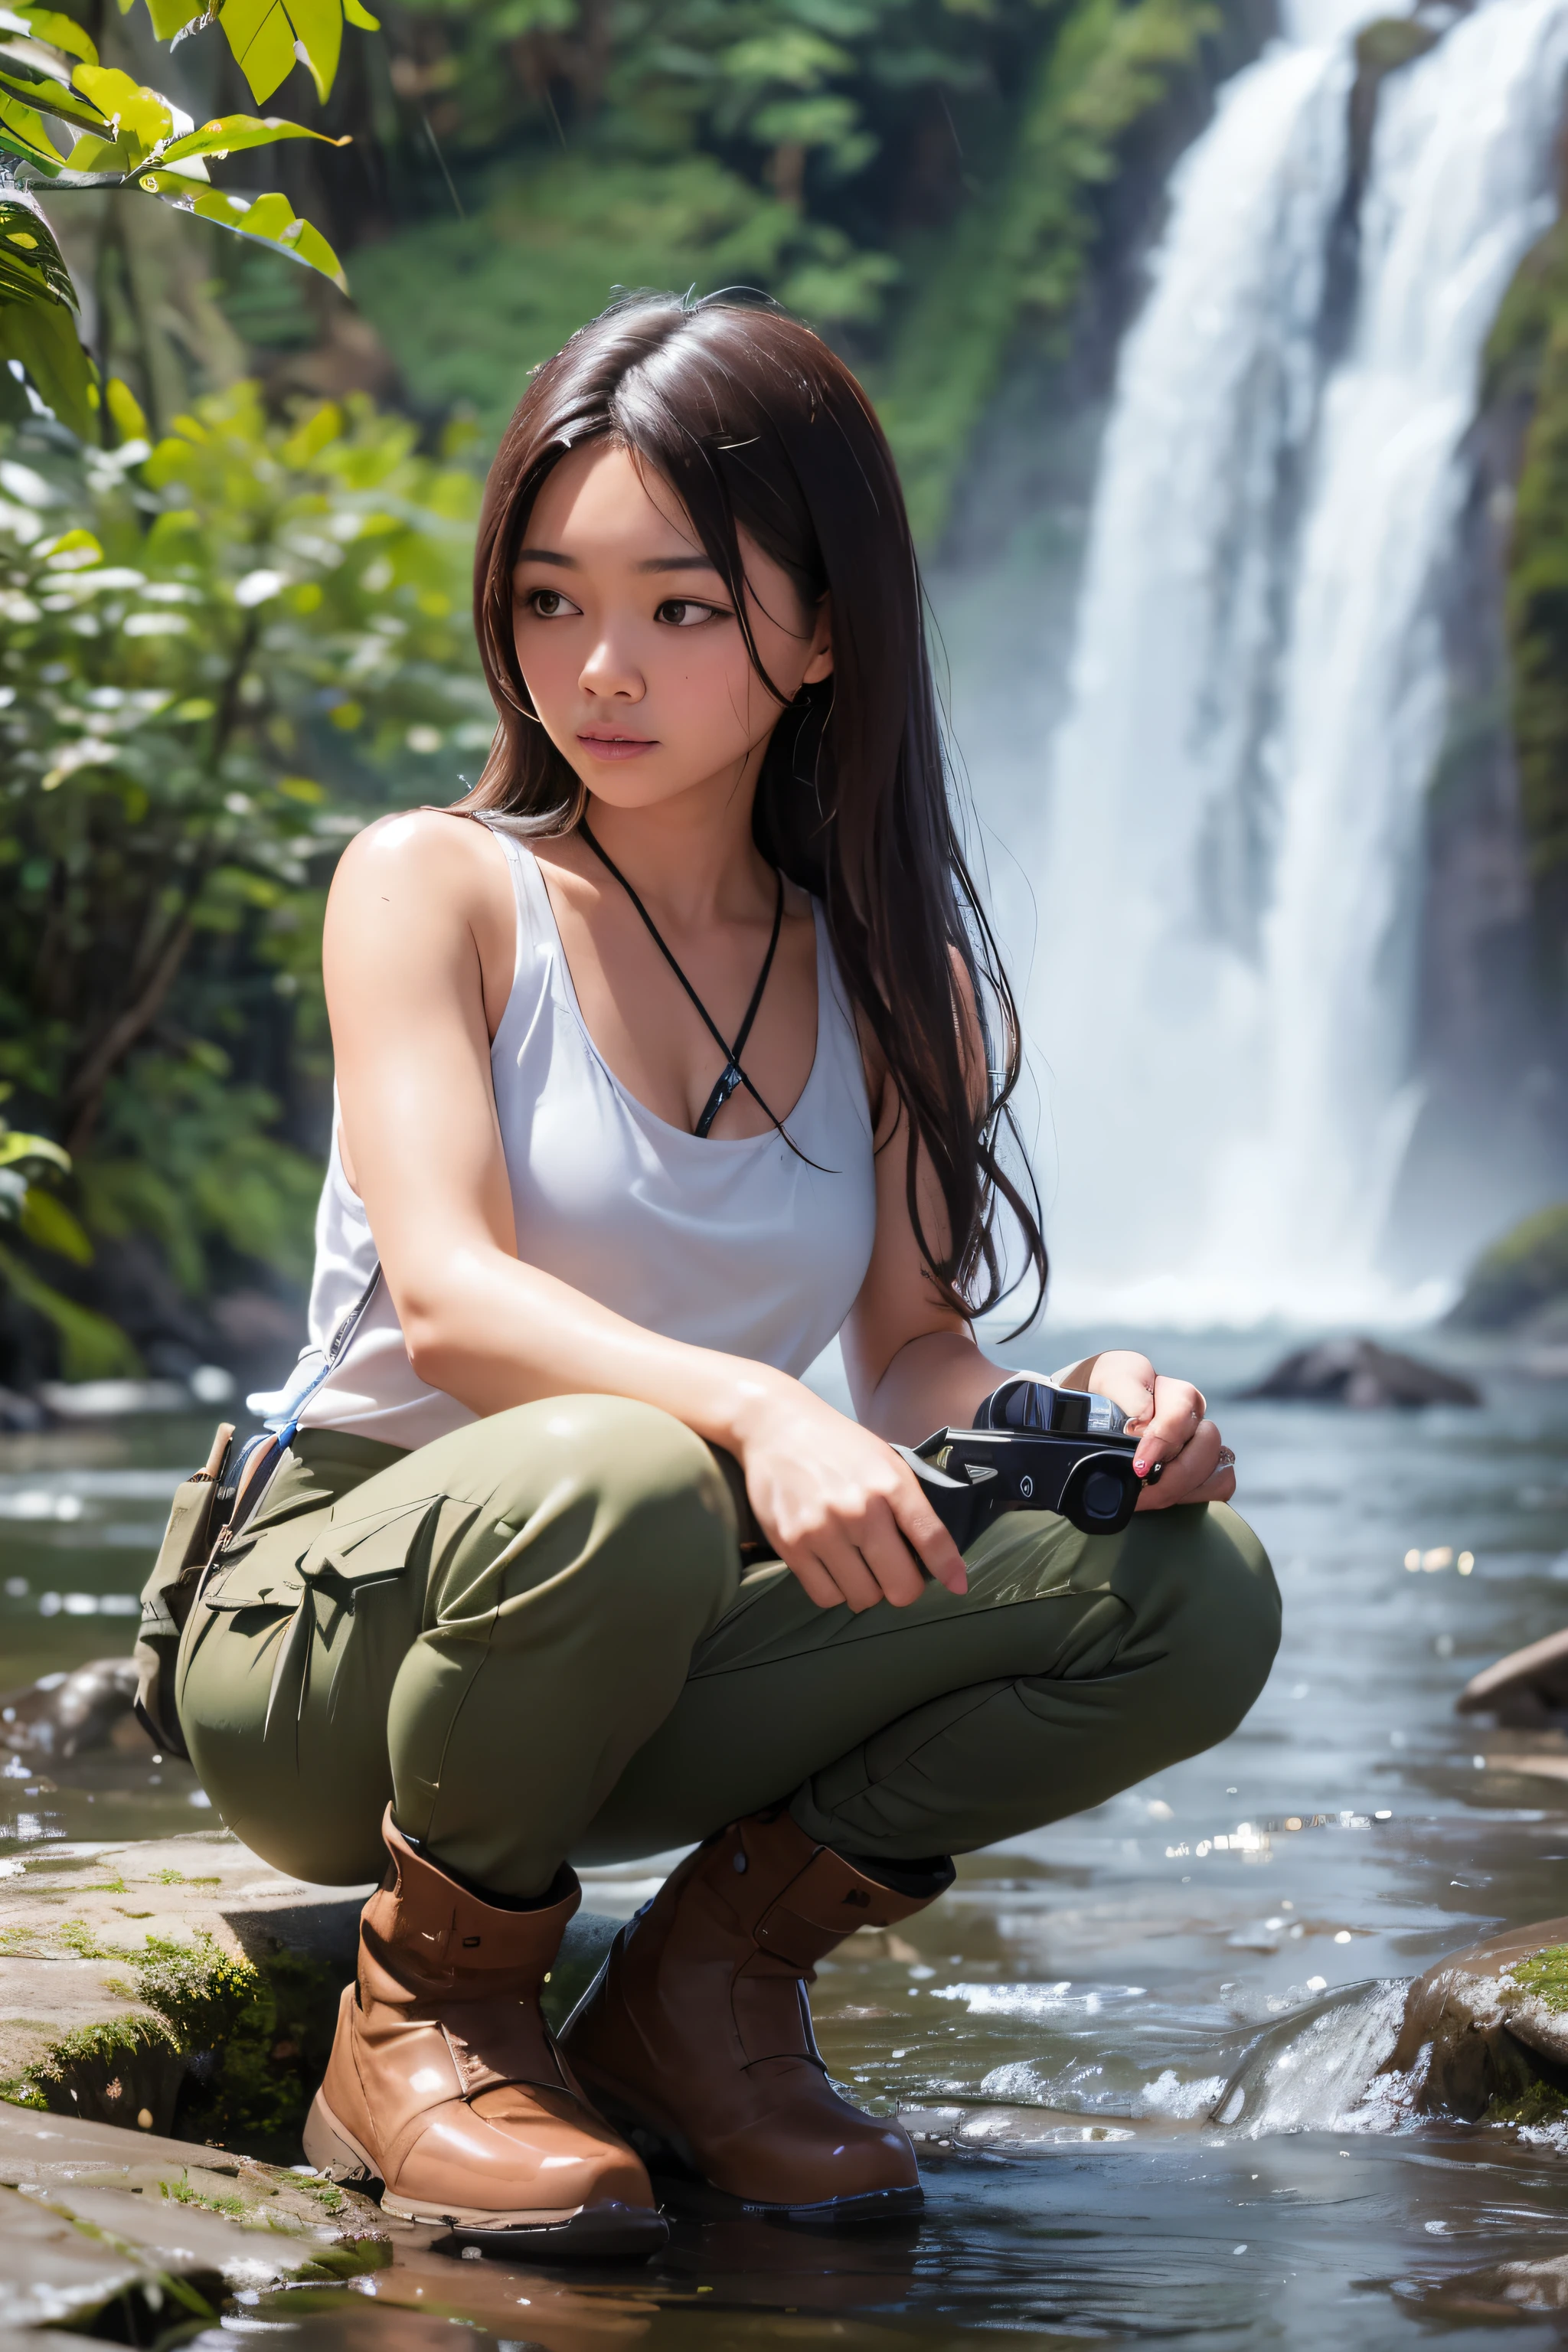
(184, 1986)
(1519, 1275)
(1485, 2033)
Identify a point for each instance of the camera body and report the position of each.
(1062, 1450)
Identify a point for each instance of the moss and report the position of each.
(1545, 1975)
(230, 2055)
(180, 2192)
(1527, 365)
(1519, 1274)
(1541, 2103)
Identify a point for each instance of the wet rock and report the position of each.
(1526, 1691)
(91, 2217)
(1360, 1373)
(63, 1716)
(1486, 2026)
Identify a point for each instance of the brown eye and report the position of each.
(680, 612)
(546, 602)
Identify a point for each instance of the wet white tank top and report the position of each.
(740, 1246)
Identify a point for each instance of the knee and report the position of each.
(644, 1497)
(1211, 1606)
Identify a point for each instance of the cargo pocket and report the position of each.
(319, 1586)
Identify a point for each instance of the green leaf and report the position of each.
(22, 133)
(15, 1147)
(262, 39)
(318, 29)
(229, 132)
(271, 217)
(131, 110)
(50, 1226)
(42, 334)
(354, 14)
(126, 410)
(53, 98)
(31, 265)
(171, 16)
(92, 1347)
(106, 155)
(49, 24)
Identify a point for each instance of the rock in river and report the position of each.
(61, 1716)
(1486, 2030)
(1360, 1373)
(1528, 1690)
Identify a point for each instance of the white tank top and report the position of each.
(740, 1246)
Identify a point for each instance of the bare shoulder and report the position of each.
(424, 854)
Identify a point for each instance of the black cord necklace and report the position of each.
(732, 1076)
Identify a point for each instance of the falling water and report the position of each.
(1231, 869)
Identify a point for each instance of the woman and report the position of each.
(669, 1068)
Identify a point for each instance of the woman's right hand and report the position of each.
(845, 1516)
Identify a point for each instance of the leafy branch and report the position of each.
(120, 134)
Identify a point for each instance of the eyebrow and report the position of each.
(654, 563)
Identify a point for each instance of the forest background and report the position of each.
(233, 612)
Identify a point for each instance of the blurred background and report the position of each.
(1225, 351)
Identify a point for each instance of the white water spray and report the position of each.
(1232, 861)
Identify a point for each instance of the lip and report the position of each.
(616, 747)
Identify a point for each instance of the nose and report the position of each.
(609, 673)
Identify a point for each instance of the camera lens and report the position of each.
(1103, 1495)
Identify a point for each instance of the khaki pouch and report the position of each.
(167, 1595)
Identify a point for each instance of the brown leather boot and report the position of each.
(444, 2083)
(695, 2038)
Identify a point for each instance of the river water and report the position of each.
(1062, 2025)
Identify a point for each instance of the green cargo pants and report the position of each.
(535, 1637)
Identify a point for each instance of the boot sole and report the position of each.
(605, 2232)
(669, 2159)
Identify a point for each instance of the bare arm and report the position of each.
(914, 1365)
(418, 937)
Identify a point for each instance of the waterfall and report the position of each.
(1231, 861)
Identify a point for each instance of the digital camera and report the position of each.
(1034, 1448)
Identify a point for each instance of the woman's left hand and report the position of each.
(1170, 1418)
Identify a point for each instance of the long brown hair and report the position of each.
(757, 426)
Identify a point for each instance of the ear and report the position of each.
(819, 663)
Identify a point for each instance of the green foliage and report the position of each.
(502, 290)
(218, 657)
(1527, 361)
(116, 132)
(1524, 1271)
(1024, 252)
(917, 177)
(92, 1347)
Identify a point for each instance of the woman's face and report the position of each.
(628, 638)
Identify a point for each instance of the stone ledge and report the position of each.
(92, 2216)
(185, 1985)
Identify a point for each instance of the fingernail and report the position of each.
(1139, 1469)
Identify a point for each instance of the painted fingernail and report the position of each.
(1139, 1469)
